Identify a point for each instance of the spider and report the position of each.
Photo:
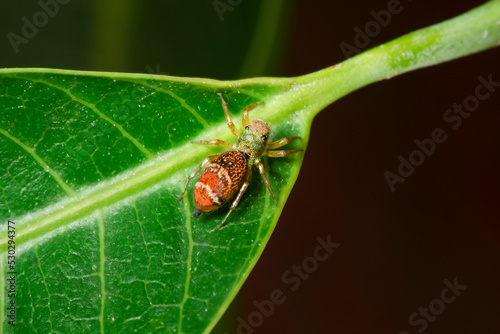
(229, 173)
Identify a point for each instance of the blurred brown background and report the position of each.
(396, 248)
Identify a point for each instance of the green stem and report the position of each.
(474, 31)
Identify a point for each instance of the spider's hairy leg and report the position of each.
(262, 172)
(281, 142)
(245, 119)
(243, 188)
(217, 142)
(229, 122)
(281, 153)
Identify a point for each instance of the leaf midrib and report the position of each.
(126, 185)
(100, 196)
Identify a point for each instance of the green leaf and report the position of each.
(92, 184)
(93, 163)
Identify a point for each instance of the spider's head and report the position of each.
(260, 128)
(253, 140)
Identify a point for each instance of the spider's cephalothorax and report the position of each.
(253, 140)
(229, 173)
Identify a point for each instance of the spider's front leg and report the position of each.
(281, 142)
(229, 122)
(245, 119)
(281, 153)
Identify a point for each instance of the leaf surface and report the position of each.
(92, 169)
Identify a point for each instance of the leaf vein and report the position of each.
(41, 162)
(183, 103)
(102, 262)
(120, 128)
(189, 260)
(147, 252)
(46, 288)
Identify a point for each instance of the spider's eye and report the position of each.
(264, 137)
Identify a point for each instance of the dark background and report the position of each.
(397, 247)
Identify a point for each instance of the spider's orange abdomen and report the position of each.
(220, 181)
(229, 173)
